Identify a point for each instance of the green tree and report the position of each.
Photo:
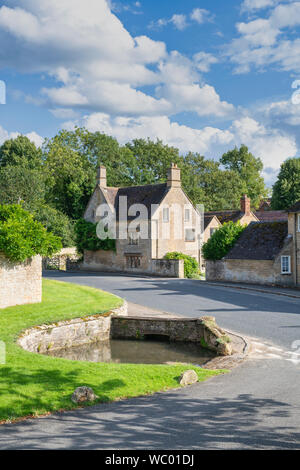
(22, 237)
(18, 183)
(249, 169)
(286, 190)
(222, 240)
(20, 152)
(57, 223)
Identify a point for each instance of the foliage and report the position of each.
(222, 240)
(249, 168)
(18, 183)
(22, 237)
(34, 384)
(57, 223)
(286, 190)
(20, 152)
(191, 267)
(87, 239)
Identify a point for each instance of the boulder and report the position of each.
(188, 377)
(83, 394)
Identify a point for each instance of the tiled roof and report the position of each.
(260, 241)
(226, 216)
(271, 216)
(295, 207)
(149, 194)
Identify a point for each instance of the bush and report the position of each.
(87, 239)
(22, 237)
(221, 242)
(57, 223)
(191, 267)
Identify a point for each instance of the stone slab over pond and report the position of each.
(117, 325)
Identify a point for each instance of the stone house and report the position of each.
(266, 253)
(245, 215)
(211, 224)
(160, 218)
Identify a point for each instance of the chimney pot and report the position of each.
(174, 176)
(246, 204)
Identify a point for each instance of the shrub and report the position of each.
(191, 267)
(57, 223)
(87, 239)
(21, 236)
(222, 240)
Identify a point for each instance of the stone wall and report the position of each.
(64, 260)
(265, 272)
(65, 334)
(201, 330)
(20, 283)
(110, 261)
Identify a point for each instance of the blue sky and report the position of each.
(200, 75)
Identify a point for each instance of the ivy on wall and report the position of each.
(87, 239)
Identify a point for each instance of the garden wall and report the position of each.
(20, 283)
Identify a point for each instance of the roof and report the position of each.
(271, 216)
(148, 195)
(207, 220)
(226, 216)
(295, 207)
(260, 241)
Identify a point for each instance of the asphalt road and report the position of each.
(256, 406)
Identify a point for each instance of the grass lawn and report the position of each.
(33, 384)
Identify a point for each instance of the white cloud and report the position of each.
(204, 60)
(97, 64)
(263, 42)
(33, 136)
(200, 15)
(250, 5)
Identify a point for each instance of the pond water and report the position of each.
(154, 351)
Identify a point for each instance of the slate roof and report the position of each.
(226, 216)
(271, 216)
(260, 241)
(295, 207)
(147, 194)
(207, 220)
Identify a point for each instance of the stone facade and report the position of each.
(20, 283)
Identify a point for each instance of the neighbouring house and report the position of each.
(211, 224)
(265, 204)
(271, 216)
(245, 215)
(266, 253)
(173, 224)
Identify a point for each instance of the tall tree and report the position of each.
(286, 190)
(249, 169)
(20, 152)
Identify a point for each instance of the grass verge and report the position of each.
(33, 384)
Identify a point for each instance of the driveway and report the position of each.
(257, 405)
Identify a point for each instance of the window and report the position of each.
(187, 215)
(166, 214)
(285, 265)
(133, 261)
(190, 235)
(133, 238)
(212, 231)
(298, 222)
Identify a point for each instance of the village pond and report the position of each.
(152, 350)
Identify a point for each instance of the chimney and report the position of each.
(246, 204)
(101, 176)
(174, 176)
